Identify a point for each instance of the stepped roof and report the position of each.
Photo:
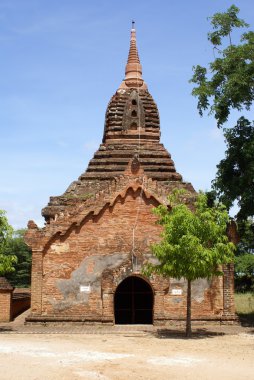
(131, 134)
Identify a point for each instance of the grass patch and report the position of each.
(244, 304)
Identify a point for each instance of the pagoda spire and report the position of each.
(133, 69)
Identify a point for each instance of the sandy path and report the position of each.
(64, 357)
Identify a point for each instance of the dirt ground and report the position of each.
(132, 355)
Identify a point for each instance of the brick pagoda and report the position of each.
(87, 260)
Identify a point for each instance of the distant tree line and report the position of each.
(15, 256)
(21, 276)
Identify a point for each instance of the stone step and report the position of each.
(124, 161)
(128, 136)
(156, 175)
(116, 167)
(123, 155)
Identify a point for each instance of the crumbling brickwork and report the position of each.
(6, 291)
(99, 232)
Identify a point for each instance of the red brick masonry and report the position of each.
(99, 232)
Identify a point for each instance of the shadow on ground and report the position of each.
(179, 334)
(246, 319)
(5, 329)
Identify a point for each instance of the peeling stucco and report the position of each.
(88, 274)
(198, 288)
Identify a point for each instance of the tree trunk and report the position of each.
(188, 316)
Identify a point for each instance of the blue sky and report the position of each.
(61, 61)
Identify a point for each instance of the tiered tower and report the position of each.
(132, 130)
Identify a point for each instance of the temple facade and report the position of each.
(87, 261)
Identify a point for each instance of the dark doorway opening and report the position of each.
(133, 302)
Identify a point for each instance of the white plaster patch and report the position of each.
(65, 358)
(70, 288)
(177, 292)
(198, 289)
(22, 350)
(60, 247)
(91, 375)
(89, 356)
(185, 361)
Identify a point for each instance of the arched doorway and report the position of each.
(133, 302)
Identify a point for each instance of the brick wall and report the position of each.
(13, 303)
(5, 305)
(77, 275)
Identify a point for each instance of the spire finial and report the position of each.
(133, 70)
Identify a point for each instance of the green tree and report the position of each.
(244, 272)
(244, 260)
(228, 83)
(235, 176)
(244, 255)
(246, 230)
(194, 243)
(6, 261)
(16, 245)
